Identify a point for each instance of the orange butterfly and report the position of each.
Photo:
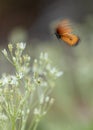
(64, 32)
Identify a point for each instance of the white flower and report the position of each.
(23, 113)
(5, 80)
(43, 55)
(21, 45)
(42, 99)
(28, 111)
(47, 99)
(4, 52)
(19, 75)
(60, 73)
(28, 58)
(14, 59)
(53, 70)
(46, 56)
(3, 117)
(35, 61)
(13, 80)
(10, 46)
(25, 69)
(36, 111)
(44, 84)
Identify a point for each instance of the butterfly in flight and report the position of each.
(63, 31)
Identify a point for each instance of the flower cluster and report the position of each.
(27, 91)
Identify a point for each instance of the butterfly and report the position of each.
(63, 31)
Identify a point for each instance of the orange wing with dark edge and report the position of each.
(70, 39)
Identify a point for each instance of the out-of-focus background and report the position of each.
(31, 21)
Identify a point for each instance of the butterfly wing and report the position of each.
(64, 31)
(70, 39)
(63, 27)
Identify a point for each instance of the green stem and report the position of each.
(32, 124)
(35, 126)
(13, 124)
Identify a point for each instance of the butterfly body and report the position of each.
(64, 32)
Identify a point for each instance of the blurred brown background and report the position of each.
(34, 16)
(31, 21)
